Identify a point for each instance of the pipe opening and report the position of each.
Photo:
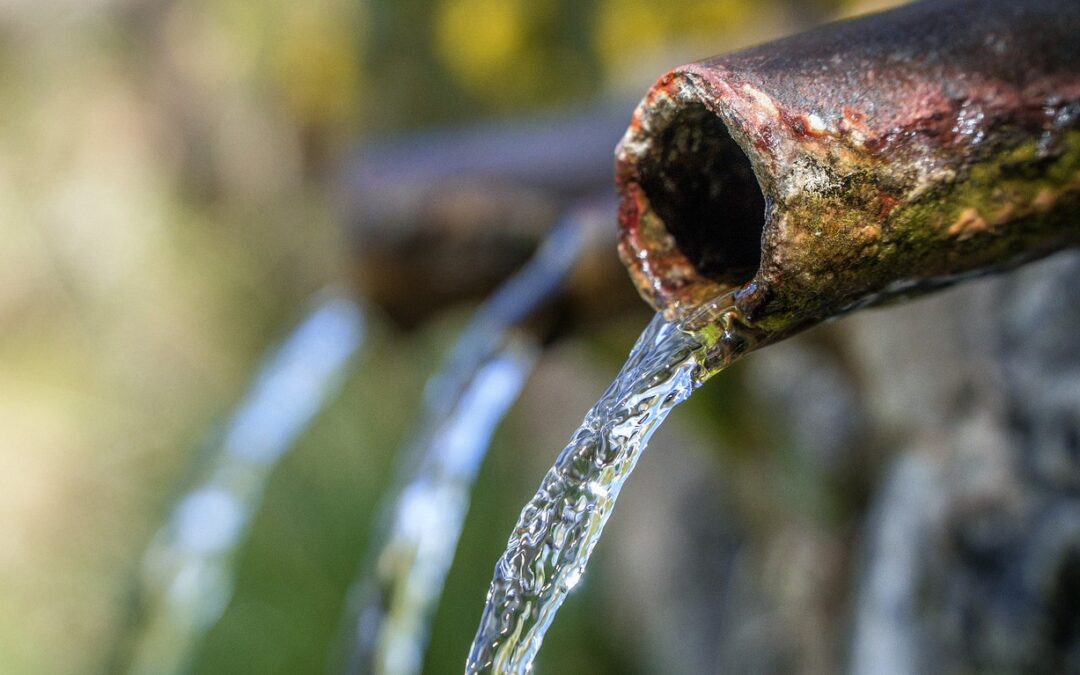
(701, 184)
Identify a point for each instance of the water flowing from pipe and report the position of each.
(463, 404)
(558, 529)
(187, 571)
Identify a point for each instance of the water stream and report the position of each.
(399, 596)
(558, 529)
(187, 570)
(463, 404)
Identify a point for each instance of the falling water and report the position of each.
(558, 529)
(428, 514)
(463, 404)
(187, 569)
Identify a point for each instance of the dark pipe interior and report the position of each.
(702, 186)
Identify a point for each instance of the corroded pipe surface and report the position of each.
(866, 160)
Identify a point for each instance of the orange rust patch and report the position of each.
(968, 225)
(886, 202)
(800, 125)
(853, 117)
(854, 123)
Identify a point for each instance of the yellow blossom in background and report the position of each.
(626, 29)
(492, 49)
(315, 64)
(478, 38)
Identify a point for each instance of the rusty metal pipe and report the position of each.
(442, 217)
(863, 161)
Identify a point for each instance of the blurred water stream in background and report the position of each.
(464, 401)
(187, 575)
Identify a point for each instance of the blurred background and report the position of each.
(175, 187)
